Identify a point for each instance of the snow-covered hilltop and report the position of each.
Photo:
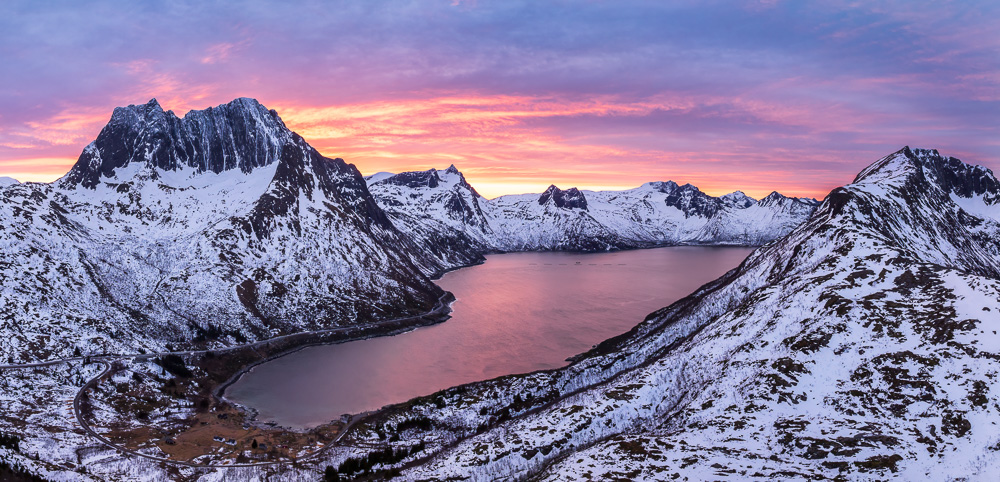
(862, 345)
(439, 210)
(435, 205)
(219, 227)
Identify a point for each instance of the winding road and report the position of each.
(441, 308)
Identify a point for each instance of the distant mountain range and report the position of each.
(224, 226)
(444, 213)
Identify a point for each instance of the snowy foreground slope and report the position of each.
(447, 214)
(864, 344)
(222, 226)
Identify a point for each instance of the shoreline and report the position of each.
(440, 314)
(252, 414)
(246, 357)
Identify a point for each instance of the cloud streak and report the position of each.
(754, 96)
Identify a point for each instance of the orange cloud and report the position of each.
(39, 169)
(494, 140)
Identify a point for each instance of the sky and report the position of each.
(756, 96)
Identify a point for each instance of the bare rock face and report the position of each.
(571, 198)
(242, 135)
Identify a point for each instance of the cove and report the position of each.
(515, 313)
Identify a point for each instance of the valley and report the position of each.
(855, 340)
(515, 313)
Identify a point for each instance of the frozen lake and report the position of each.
(515, 313)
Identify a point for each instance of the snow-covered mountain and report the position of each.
(441, 207)
(222, 226)
(863, 345)
(438, 209)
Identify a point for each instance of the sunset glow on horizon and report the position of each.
(756, 96)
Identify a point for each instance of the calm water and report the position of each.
(516, 313)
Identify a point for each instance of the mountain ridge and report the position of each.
(241, 134)
(852, 347)
(168, 229)
(660, 213)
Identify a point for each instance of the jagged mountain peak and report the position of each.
(570, 198)
(460, 181)
(414, 179)
(778, 200)
(773, 197)
(738, 199)
(242, 134)
(919, 166)
(152, 106)
(662, 186)
(432, 178)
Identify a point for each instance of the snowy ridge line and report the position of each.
(848, 337)
(453, 223)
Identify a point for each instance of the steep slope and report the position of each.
(666, 213)
(440, 210)
(447, 213)
(555, 220)
(219, 227)
(756, 222)
(862, 344)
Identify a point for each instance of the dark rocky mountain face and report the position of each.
(571, 198)
(222, 222)
(242, 135)
(427, 178)
(692, 201)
